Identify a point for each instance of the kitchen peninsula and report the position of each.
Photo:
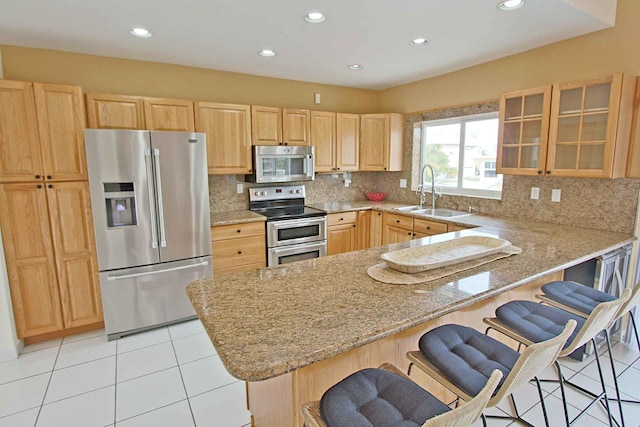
(294, 330)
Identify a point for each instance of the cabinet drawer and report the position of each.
(232, 231)
(454, 227)
(243, 250)
(341, 218)
(429, 227)
(400, 221)
(238, 268)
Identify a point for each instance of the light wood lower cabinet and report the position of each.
(396, 228)
(238, 247)
(425, 227)
(47, 232)
(342, 232)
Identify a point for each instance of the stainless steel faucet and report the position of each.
(433, 187)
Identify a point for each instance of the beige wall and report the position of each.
(124, 76)
(612, 50)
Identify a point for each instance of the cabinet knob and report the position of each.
(37, 176)
(379, 213)
(50, 186)
(428, 227)
(539, 172)
(354, 226)
(49, 177)
(239, 252)
(286, 143)
(249, 170)
(238, 231)
(385, 168)
(341, 219)
(338, 168)
(38, 186)
(398, 221)
(548, 172)
(413, 234)
(410, 233)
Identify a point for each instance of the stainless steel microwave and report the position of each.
(277, 163)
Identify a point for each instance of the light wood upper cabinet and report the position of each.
(381, 142)
(110, 111)
(41, 132)
(228, 130)
(591, 127)
(581, 129)
(524, 131)
(296, 127)
(75, 253)
(53, 270)
(347, 142)
(19, 147)
(266, 125)
(633, 162)
(169, 114)
(61, 123)
(30, 262)
(323, 139)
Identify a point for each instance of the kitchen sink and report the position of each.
(442, 213)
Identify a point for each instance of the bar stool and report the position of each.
(460, 358)
(581, 300)
(529, 322)
(386, 396)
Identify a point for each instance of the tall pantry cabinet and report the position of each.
(45, 210)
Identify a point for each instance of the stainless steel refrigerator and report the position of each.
(150, 200)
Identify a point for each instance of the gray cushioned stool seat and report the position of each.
(375, 397)
(465, 356)
(537, 322)
(575, 295)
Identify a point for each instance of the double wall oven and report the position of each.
(294, 231)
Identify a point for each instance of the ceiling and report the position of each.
(227, 34)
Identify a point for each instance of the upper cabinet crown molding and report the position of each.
(381, 142)
(589, 128)
(41, 132)
(112, 111)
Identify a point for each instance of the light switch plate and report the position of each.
(239, 188)
(555, 195)
(535, 193)
(403, 183)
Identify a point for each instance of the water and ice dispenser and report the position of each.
(120, 202)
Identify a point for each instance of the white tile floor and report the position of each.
(165, 377)
(172, 377)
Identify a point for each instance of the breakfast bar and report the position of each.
(293, 330)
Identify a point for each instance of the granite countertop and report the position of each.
(271, 321)
(235, 217)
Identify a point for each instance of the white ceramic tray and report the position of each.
(442, 254)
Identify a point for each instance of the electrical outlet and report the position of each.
(239, 188)
(403, 183)
(535, 193)
(555, 195)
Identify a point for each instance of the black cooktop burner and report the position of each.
(289, 212)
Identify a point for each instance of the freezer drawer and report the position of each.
(143, 297)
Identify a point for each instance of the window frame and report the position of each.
(459, 190)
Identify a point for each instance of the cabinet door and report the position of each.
(75, 252)
(30, 263)
(590, 122)
(524, 131)
(374, 138)
(376, 229)
(228, 130)
(394, 234)
(266, 125)
(348, 142)
(342, 238)
(19, 148)
(394, 149)
(364, 229)
(323, 138)
(61, 124)
(169, 114)
(296, 127)
(107, 111)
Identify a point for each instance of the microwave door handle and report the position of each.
(156, 156)
(152, 210)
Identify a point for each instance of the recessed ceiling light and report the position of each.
(420, 41)
(314, 17)
(267, 52)
(355, 67)
(140, 32)
(510, 4)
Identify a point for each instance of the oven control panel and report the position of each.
(276, 193)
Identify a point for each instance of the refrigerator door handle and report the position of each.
(149, 273)
(156, 156)
(152, 210)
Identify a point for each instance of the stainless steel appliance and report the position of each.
(150, 200)
(294, 231)
(282, 164)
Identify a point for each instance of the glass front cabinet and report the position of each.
(577, 129)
